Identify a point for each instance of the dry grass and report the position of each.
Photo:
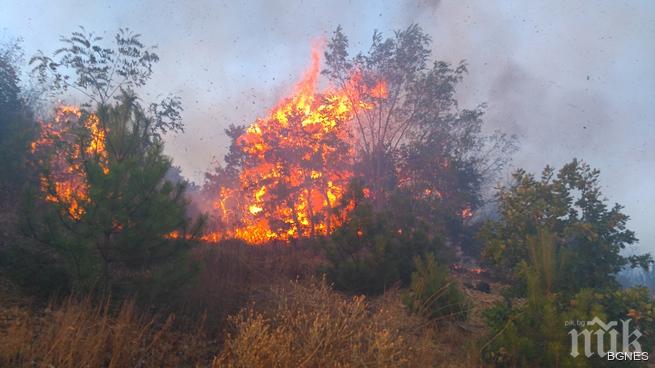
(79, 334)
(307, 324)
(286, 324)
(231, 271)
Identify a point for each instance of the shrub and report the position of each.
(534, 330)
(433, 293)
(374, 249)
(308, 324)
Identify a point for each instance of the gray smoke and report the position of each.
(571, 79)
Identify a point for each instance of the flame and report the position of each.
(297, 163)
(466, 213)
(64, 181)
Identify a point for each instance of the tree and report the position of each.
(17, 127)
(103, 204)
(100, 73)
(412, 133)
(107, 208)
(286, 172)
(589, 236)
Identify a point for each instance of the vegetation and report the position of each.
(417, 137)
(17, 126)
(530, 331)
(342, 332)
(374, 250)
(433, 293)
(83, 333)
(358, 257)
(588, 236)
(124, 208)
(102, 203)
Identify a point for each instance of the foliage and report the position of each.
(17, 127)
(118, 225)
(589, 236)
(99, 73)
(374, 250)
(433, 293)
(534, 330)
(309, 325)
(416, 136)
(34, 269)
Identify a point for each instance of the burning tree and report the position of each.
(286, 174)
(102, 202)
(389, 119)
(415, 137)
(108, 208)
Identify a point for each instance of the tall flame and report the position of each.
(297, 163)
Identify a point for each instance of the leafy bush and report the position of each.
(588, 235)
(432, 293)
(374, 250)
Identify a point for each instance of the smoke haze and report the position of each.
(570, 79)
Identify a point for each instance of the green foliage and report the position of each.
(122, 237)
(17, 127)
(374, 250)
(100, 72)
(534, 331)
(588, 235)
(634, 304)
(432, 293)
(36, 270)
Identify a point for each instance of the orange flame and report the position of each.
(297, 163)
(65, 180)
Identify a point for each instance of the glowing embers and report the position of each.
(61, 150)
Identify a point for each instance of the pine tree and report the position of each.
(121, 222)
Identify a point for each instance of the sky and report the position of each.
(569, 78)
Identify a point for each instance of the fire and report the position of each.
(297, 163)
(64, 153)
(466, 213)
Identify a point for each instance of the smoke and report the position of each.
(571, 79)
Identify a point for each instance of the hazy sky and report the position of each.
(570, 78)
